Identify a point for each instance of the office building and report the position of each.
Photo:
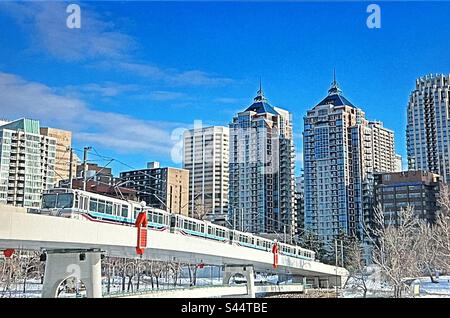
(162, 188)
(398, 190)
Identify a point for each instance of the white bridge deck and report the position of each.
(30, 231)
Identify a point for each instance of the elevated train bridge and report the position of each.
(65, 239)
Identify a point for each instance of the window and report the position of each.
(101, 206)
(93, 205)
(108, 209)
(125, 211)
(65, 200)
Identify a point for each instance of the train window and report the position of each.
(202, 228)
(64, 200)
(108, 209)
(125, 211)
(48, 201)
(76, 201)
(93, 205)
(101, 206)
(210, 230)
(85, 203)
(137, 210)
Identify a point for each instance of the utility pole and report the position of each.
(336, 251)
(242, 220)
(85, 155)
(342, 253)
(70, 167)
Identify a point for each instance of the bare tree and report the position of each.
(200, 210)
(356, 266)
(395, 246)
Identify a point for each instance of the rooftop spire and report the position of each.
(260, 94)
(334, 89)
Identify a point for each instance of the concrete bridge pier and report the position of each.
(83, 265)
(245, 270)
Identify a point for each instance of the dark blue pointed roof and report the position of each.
(335, 96)
(260, 104)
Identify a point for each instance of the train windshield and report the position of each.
(49, 201)
(61, 201)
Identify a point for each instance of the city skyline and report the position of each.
(129, 82)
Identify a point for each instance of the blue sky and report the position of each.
(137, 73)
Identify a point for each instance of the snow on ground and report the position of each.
(380, 289)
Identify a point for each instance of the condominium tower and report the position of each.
(341, 151)
(428, 128)
(261, 194)
(206, 153)
(27, 163)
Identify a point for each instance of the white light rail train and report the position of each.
(79, 204)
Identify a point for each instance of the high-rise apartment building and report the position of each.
(428, 128)
(384, 158)
(162, 188)
(63, 149)
(300, 203)
(206, 156)
(27, 163)
(341, 150)
(261, 193)
(398, 163)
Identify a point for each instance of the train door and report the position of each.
(173, 223)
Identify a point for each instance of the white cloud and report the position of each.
(21, 98)
(166, 96)
(169, 76)
(45, 22)
(97, 42)
(230, 100)
(107, 89)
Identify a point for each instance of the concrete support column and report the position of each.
(84, 266)
(316, 282)
(245, 270)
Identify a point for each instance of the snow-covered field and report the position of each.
(377, 288)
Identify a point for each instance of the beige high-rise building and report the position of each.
(384, 158)
(206, 156)
(63, 148)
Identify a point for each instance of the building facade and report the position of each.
(398, 190)
(261, 193)
(398, 163)
(162, 188)
(428, 128)
(63, 149)
(27, 163)
(384, 157)
(339, 161)
(206, 156)
(300, 203)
